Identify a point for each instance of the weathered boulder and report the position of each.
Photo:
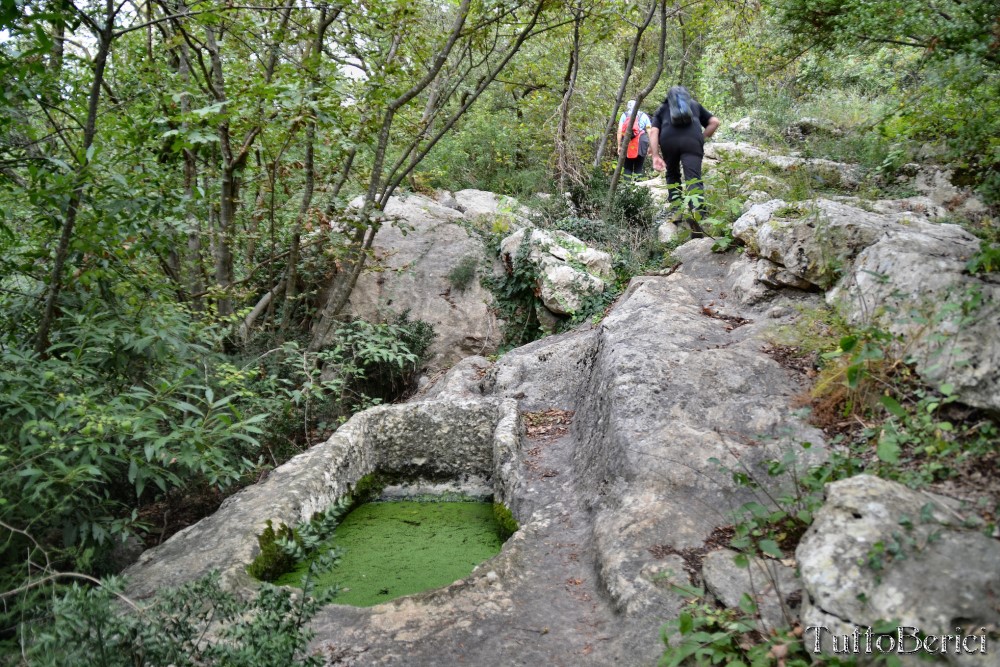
(476, 203)
(913, 281)
(770, 584)
(568, 270)
(827, 171)
(666, 231)
(878, 551)
(799, 129)
(744, 125)
(813, 240)
(936, 185)
(895, 270)
(414, 270)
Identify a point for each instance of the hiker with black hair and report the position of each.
(679, 129)
(637, 139)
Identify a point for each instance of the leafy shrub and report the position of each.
(631, 205)
(366, 364)
(272, 561)
(124, 405)
(98, 626)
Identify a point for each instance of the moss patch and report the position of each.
(391, 549)
(506, 522)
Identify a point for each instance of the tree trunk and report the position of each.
(641, 97)
(105, 37)
(569, 83)
(609, 129)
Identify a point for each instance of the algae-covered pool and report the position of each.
(391, 549)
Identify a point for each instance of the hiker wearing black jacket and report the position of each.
(676, 145)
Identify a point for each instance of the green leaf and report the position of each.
(893, 406)
(771, 548)
(747, 604)
(848, 343)
(854, 374)
(888, 451)
(685, 624)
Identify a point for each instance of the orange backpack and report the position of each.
(634, 150)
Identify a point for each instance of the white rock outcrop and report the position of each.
(569, 271)
(897, 271)
(878, 551)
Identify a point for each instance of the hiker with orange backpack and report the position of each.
(637, 138)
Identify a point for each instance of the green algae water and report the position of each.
(391, 549)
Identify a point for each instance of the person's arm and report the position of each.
(713, 125)
(654, 147)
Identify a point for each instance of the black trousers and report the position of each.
(686, 152)
(634, 166)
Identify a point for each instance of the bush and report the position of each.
(196, 624)
(122, 407)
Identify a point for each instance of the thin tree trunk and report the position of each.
(569, 84)
(105, 37)
(641, 97)
(609, 128)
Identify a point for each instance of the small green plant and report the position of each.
(98, 625)
(706, 635)
(987, 260)
(464, 273)
(516, 299)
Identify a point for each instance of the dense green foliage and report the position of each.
(177, 249)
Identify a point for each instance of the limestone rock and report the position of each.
(461, 381)
(666, 231)
(754, 280)
(937, 186)
(914, 281)
(804, 127)
(878, 551)
(568, 270)
(447, 199)
(814, 240)
(771, 585)
(827, 171)
(744, 125)
(413, 261)
(894, 270)
(755, 197)
(482, 203)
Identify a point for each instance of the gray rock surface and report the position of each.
(894, 270)
(770, 584)
(453, 440)
(606, 504)
(910, 556)
(936, 185)
(476, 203)
(827, 171)
(913, 281)
(410, 272)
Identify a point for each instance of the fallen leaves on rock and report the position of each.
(547, 424)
